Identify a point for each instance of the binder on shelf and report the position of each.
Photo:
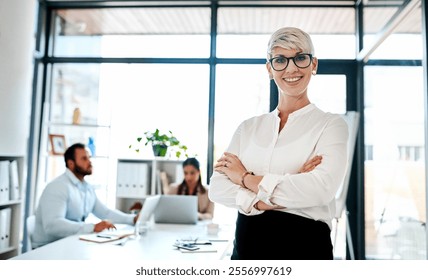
(4, 181)
(14, 188)
(179, 174)
(142, 179)
(5, 220)
(132, 180)
(121, 180)
(158, 182)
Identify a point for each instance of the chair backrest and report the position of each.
(30, 223)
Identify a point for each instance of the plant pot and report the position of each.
(159, 150)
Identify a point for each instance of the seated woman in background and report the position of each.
(192, 185)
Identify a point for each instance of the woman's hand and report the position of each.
(310, 164)
(230, 165)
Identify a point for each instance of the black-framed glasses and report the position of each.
(302, 60)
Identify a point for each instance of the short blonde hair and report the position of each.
(290, 38)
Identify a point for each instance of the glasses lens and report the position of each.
(302, 60)
(279, 63)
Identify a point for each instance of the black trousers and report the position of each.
(275, 235)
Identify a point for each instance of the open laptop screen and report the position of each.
(149, 206)
(177, 209)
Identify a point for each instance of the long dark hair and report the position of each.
(183, 188)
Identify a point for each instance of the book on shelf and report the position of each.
(164, 182)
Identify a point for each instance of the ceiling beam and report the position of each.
(389, 28)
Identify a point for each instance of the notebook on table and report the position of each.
(177, 209)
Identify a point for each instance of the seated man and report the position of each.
(68, 200)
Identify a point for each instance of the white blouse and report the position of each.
(278, 157)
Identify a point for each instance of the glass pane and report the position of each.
(242, 46)
(169, 97)
(398, 46)
(75, 97)
(244, 32)
(375, 18)
(145, 97)
(394, 164)
(80, 111)
(328, 92)
(132, 32)
(406, 40)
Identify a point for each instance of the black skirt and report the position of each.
(275, 235)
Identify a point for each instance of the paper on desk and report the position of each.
(103, 237)
(202, 249)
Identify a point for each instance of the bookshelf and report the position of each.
(137, 179)
(11, 230)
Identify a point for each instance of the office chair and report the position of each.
(30, 223)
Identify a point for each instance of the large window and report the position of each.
(394, 168)
(395, 191)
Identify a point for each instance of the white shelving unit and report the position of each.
(16, 207)
(137, 179)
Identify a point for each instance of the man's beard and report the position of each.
(81, 171)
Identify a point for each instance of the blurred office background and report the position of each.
(197, 68)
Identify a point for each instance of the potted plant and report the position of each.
(161, 142)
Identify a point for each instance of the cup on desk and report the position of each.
(213, 228)
(141, 228)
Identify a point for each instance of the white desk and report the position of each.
(156, 244)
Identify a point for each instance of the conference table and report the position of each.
(156, 244)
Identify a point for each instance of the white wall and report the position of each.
(17, 25)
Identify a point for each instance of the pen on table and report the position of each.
(103, 236)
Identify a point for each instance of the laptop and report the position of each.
(177, 209)
(149, 205)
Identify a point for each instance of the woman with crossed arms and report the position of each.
(282, 169)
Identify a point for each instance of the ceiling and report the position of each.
(236, 17)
